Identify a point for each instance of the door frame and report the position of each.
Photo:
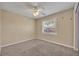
(75, 28)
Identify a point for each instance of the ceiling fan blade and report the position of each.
(39, 5)
(29, 5)
(43, 13)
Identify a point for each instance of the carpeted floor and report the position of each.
(37, 48)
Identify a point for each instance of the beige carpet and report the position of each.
(37, 48)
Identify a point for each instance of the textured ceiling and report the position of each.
(24, 8)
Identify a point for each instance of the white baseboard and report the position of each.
(76, 49)
(39, 39)
(15, 43)
(57, 43)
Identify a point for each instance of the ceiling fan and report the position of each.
(35, 8)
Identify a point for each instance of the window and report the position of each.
(49, 26)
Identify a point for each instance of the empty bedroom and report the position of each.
(39, 29)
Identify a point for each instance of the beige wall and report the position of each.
(0, 32)
(64, 28)
(0, 27)
(16, 28)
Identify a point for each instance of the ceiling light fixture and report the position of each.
(35, 11)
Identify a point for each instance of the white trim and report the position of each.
(74, 29)
(39, 39)
(75, 43)
(75, 7)
(57, 43)
(60, 44)
(15, 43)
(52, 33)
(76, 49)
